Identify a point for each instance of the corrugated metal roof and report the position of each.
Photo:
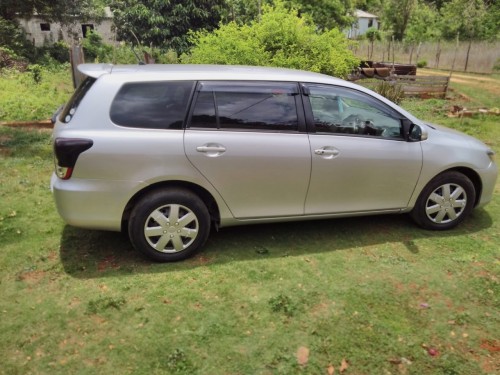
(363, 14)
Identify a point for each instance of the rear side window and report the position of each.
(76, 98)
(246, 106)
(152, 105)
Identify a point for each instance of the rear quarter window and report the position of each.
(152, 105)
(73, 103)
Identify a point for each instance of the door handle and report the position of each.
(323, 151)
(210, 149)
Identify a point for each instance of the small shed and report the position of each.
(364, 21)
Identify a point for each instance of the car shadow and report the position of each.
(94, 254)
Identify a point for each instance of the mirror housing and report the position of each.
(409, 133)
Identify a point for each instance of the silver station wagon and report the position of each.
(168, 152)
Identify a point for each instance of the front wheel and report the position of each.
(169, 225)
(445, 202)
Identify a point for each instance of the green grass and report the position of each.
(33, 96)
(377, 292)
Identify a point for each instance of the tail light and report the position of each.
(66, 152)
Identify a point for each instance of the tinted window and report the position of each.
(345, 111)
(248, 106)
(155, 105)
(76, 98)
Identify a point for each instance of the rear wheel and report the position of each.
(169, 225)
(445, 202)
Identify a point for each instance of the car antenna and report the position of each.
(141, 62)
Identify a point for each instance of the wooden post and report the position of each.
(418, 52)
(76, 58)
(468, 53)
(438, 54)
(455, 56)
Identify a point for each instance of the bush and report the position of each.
(390, 90)
(496, 67)
(281, 38)
(13, 38)
(94, 49)
(422, 64)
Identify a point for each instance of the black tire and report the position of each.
(180, 226)
(445, 202)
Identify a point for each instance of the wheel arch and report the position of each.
(204, 195)
(473, 176)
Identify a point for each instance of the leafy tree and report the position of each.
(327, 14)
(281, 38)
(62, 11)
(423, 24)
(373, 34)
(164, 23)
(466, 17)
(397, 14)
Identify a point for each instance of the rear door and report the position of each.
(248, 139)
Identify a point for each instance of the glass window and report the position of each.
(73, 103)
(204, 111)
(248, 106)
(153, 105)
(344, 111)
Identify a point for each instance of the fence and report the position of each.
(415, 86)
(482, 56)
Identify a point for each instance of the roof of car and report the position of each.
(207, 72)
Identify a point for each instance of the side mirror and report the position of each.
(411, 132)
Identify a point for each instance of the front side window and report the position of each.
(344, 111)
(152, 105)
(246, 106)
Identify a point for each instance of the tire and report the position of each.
(169, 225)
(445, 202)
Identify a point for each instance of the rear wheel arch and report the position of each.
(202, 193)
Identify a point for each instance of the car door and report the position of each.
(360, 159)
(249, 141)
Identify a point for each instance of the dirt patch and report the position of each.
(31, 277)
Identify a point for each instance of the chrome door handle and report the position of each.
(322, 151)
(210, 149)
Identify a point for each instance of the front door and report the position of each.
(360, 161)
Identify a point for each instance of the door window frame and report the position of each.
(305, 88)
(232, 85)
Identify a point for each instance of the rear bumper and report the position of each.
(92, 204)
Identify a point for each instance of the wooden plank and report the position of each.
(44, 124)
(422, 89)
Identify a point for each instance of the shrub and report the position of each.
(390, 90)
(496, 67)
(95, 49)
(281, 38)
(422, 64)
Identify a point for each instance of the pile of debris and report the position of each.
(458, 111)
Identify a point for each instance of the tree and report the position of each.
(327, 14)
(423, 24)
(372, 34)
(281, 38)
(397, 14)
(164, 23)
(466, 17)
(62, 11)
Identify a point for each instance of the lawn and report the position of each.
(372, 295)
